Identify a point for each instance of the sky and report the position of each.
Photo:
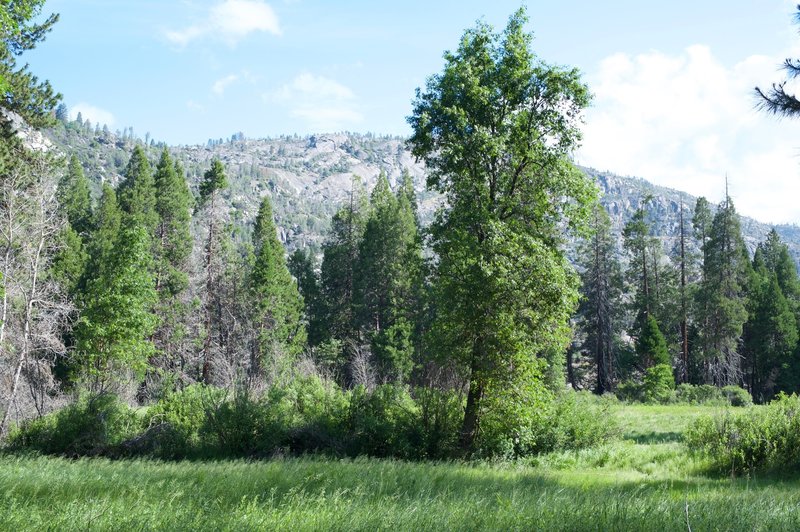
(672, 81)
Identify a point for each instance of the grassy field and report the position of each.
(645, 481)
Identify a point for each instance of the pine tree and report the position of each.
(599, 312)
(651, 347)
(301, 266)
(75, 198)
(387, 280)
(214, 180)
(107, 220)
(173, 235)
(115, 325)
(137, 192)
(337, 274)
(770, 337)
(279, 306)
(723, 297)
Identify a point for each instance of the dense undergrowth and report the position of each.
(310, 415)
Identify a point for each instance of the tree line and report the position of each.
(718, 317)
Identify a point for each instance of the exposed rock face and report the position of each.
(308, 178)
(31, 138)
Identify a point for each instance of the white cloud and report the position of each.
(684, 121)
(324, 104)
(230, 21)
(95, 114)
(221, 84)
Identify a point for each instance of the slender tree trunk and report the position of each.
(684, 312)
(471, 422)
(209, 288)
(29, 304)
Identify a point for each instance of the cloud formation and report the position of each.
(325, 105)
(230, 21)
(686, 120)
(221, 84)
(90, 112)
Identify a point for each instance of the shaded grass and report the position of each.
(620, 486)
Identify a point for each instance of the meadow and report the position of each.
(645, 480)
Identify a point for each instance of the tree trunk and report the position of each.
(471, 423)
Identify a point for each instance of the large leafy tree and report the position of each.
(495, 129)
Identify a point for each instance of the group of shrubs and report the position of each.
(761, 438)
(309, 415)
(658, 387)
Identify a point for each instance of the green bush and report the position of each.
(440, 416)
(658, 384)
(384, 422)
(737, 396)
(186, 413)
(316, 414)
(545, 423)
(93, 425)
(766, 437)
(697, 394)
(630, 391)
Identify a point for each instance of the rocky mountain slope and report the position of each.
(308, 178)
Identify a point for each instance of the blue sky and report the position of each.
(672, 80)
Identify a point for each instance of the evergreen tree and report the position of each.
(599, 312)
(116, 323)
(651, 347)
(301, 266)
(337, 274)
(75, 198)
(173, 235)
(214, 180)
(723, 297)
(770, 337)
(137, 192)
(107, 220)
(279, 306)
(638, 244)
(387, 280)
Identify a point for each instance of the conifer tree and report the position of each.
(214, 180)
(117, 321)
(599, 311)
(388, 278)
(301, 266)
(279, 306)
(337, 274)
(137, 192)
(173, 237)
(723, 296)
(770, 337)
(75, 198)
(107, 220)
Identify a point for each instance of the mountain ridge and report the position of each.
(308, 177)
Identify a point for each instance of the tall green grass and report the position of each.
(626, 485)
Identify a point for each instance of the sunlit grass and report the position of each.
(626, 485)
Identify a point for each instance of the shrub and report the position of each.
(440, 417)
(186, 413)
(737, 396)
(93, 425)
(658, 384)
(384, 422)
(698, 394)
(766, 437)
(630, 391)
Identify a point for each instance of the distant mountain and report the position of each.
(308, 178)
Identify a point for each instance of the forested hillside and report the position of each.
(308, 178)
